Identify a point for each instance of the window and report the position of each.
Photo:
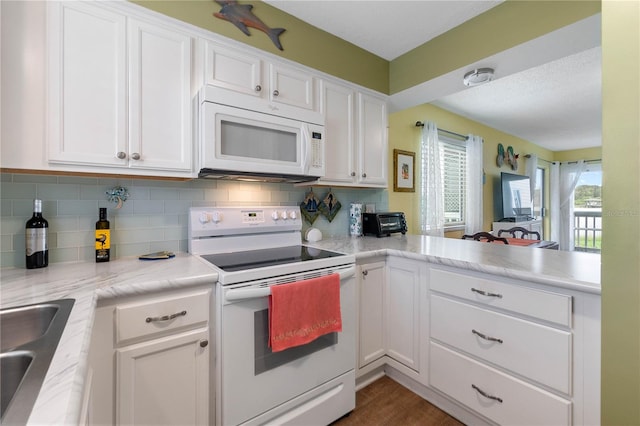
(539, 194)
(453, 163)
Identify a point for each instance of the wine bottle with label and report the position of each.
(103, 237)
(36, 233)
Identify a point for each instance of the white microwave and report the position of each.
(239, 144)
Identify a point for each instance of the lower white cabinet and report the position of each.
(371, 320)
(150, 358)
(389, 313)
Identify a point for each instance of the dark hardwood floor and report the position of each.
(385, 402)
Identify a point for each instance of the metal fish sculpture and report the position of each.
(241, 16)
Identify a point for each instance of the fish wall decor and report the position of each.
(242, 17)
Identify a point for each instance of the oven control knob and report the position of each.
(275, 215)
(293, 215)
(216, 217)
(204, 218)
(283, 215)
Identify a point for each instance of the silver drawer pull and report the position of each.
(485, 337)
(486, 395)
(485, 293)
(166, 317)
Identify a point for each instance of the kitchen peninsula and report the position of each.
(561, 292)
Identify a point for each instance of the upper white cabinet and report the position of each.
(119, 92)
(372, 140)
(249, 81)
(356, 137)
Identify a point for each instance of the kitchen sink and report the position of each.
(29, 336)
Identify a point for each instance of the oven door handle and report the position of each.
(253, 293)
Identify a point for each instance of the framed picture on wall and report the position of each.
(404, 179)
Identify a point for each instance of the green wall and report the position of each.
(621, 213)
(302, 42)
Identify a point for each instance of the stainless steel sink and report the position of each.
(29, 336)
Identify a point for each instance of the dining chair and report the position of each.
(485, 236)
(523, 232)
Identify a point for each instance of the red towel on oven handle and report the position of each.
(302, 311)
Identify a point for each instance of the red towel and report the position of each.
(302, 311)
(521, 242)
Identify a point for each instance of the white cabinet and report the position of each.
(150, 360)
(245, 80)
(402, 306)
(372, 140)
(119, 92)
(531, 225)
(355, 137)
(371, 320)
(513, 351)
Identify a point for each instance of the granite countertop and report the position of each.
(60, 396)
(570, 270)
(86, 282)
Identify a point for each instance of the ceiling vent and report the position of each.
(478, 76)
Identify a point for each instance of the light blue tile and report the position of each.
(20, 191)
(192, 194)
(175, 233)
(165, 220)
(80, 180)
(6, 177)
(93, 192)
(173, 246)
(148, 207)
(11, 259)
(6, 208)
(132, 236)
(75, 239)
(133, 249)
(78, 207)
(6, 242)
(64, 223)
(26, 178)
(177, 207)
(165, 193)
(131, 222)
(46, 191)
(12, 225)
(67, 254)
(138, 193)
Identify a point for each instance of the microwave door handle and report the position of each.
(255, 293)
(306, 149)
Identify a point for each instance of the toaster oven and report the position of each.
(383, 223)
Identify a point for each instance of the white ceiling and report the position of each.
(547, 91)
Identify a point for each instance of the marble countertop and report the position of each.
(86, 282)
(570, 270)
(60, 396)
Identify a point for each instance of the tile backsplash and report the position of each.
(153, 218)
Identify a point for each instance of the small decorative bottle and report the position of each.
(36, 233)
(103, 237)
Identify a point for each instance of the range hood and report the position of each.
(254, 176)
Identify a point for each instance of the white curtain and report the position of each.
(564, 178)
(473, 209)
(531, 171)
(431, 198)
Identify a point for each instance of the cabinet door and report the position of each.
(371, 318)
(87, 84)
(338, 106)
(234, 71)
(160, 98)
(372, 140)
(402, 302)
(291, 87)
(164, 381)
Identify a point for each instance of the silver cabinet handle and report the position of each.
(353, 173)
(276, 93)
(485, 293)
(486, 395)
(365, 272)
(121, 155)
(258, 88)
(166, 317)
(485, 337)
(204, 343)
(364, 175)
(135, 156)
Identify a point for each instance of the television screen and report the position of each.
(516, 196)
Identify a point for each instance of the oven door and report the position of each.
(255, 385)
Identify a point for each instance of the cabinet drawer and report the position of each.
(157, 316)
(521, 403)
(532, 350)
(540, 304)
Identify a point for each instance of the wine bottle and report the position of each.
(36, 245)
(103, 237)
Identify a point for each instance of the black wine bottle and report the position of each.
(36, 233)
(103, 237)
